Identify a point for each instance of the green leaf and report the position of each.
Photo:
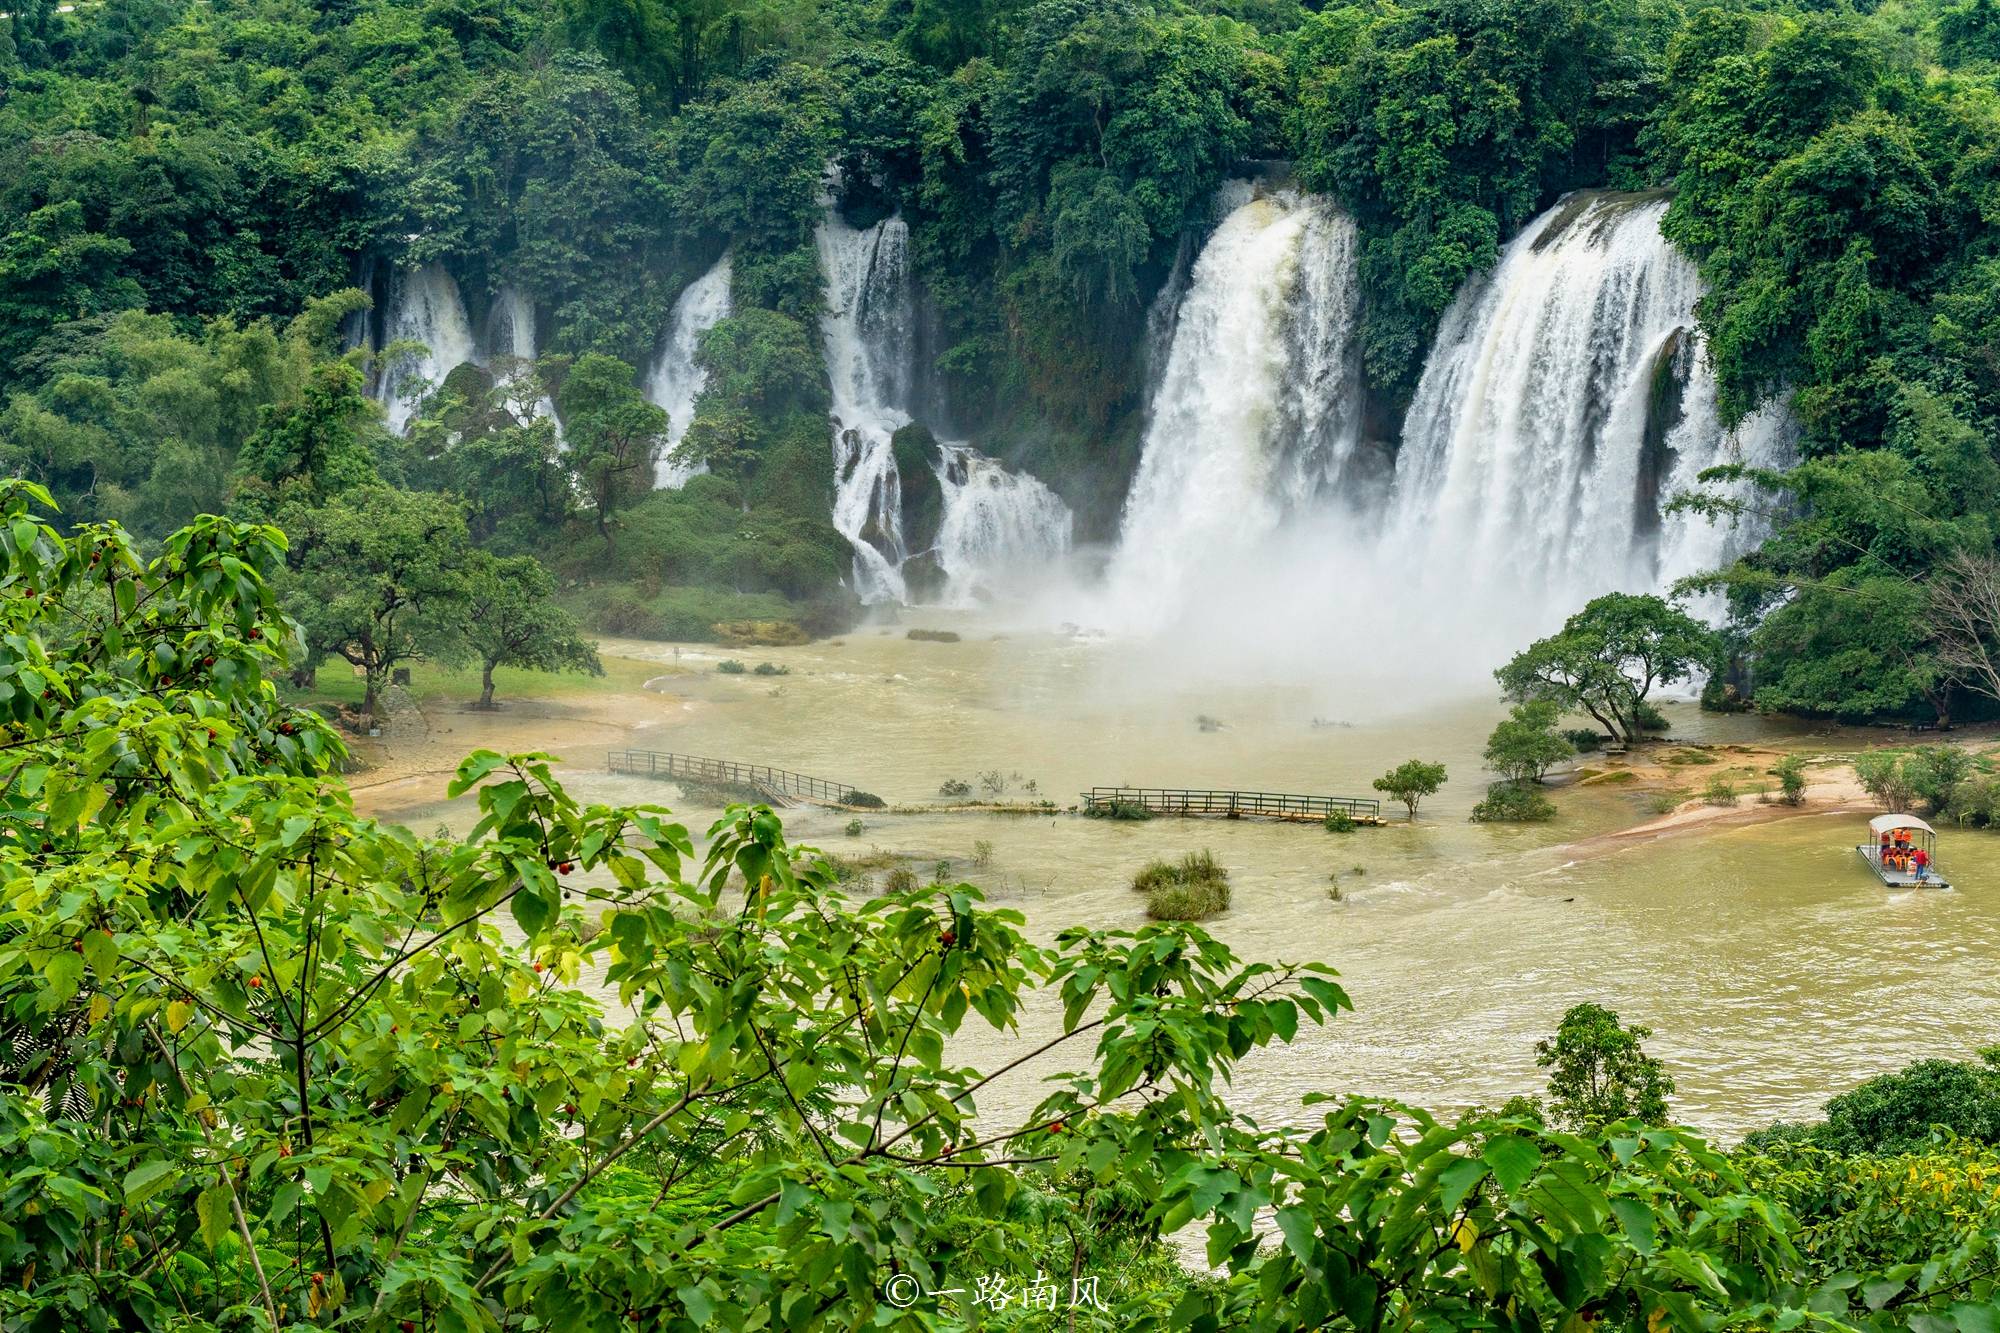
(1513, 1159)
(1458, 1180)
(213, 1210)
(143, 1181)
(1640, 1227)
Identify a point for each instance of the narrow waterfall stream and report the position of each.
(424, 307)
(677, 379)
(870, 329)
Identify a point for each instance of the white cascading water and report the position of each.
(424, 307)
(870, 333)
(677, 378)
(1000, 530)
(510, 348)
(1525, 465)
(1255, 413)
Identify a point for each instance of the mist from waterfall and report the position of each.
(677, 377)
(1256, 413)
(424, 307)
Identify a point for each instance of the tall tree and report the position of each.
(1608, 657)
(512, 620)
(378, 578)
(614, 435)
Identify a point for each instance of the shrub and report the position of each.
(1584, 739)
(855, 828)
(1934, 773)
(1648, 718)
(954, 789)
(1666, 802)
(1976, 803)
(1524, 746)
(1341, 822)
(982, 853)
(1882, 774)
(1193, 888)
(731, 667)
(867, 800)
(1791, 774)
(1513, 802)
(933, 635)
(900, 880)
(1128, 810)
(772, 669)
(759, 633)
(1719, 791)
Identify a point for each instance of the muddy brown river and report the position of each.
(1774, 970)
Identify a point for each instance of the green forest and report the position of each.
(192, 191)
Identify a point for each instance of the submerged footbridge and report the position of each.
(1231, 804)
(779, 786)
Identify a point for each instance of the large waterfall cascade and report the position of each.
(424, 307)
(1256, 412)
(1566, 397)
(994, 522)
(677, 379)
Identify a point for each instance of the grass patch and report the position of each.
(1193, 888)
(933, 635)
(1688, 757)
(1615, 778)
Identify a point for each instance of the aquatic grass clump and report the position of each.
(865, 800)
(1193, 888)
(730, 667)
(1341, 822)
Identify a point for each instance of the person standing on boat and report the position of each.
(1920, 862)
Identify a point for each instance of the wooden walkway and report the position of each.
(1235, 804)
(781, 786)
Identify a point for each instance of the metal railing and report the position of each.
(727, 772)
(1191, 801)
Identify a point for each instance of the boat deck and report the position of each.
(1902, 879)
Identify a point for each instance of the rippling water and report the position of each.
(1773, 968)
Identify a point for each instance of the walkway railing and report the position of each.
(727, 772)
(1235, 804)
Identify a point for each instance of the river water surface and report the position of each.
(1772, 967)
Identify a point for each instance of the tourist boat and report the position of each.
(1920, 835)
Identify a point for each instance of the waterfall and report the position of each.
(1567, 395)
(1254, 417)
(869, 328)
(677, 379)
(999, 528)
(510, 347)
(424, 307)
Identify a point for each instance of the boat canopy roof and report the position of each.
(1885, 823)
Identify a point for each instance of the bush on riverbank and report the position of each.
(1193, 888)
(1513, 803)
